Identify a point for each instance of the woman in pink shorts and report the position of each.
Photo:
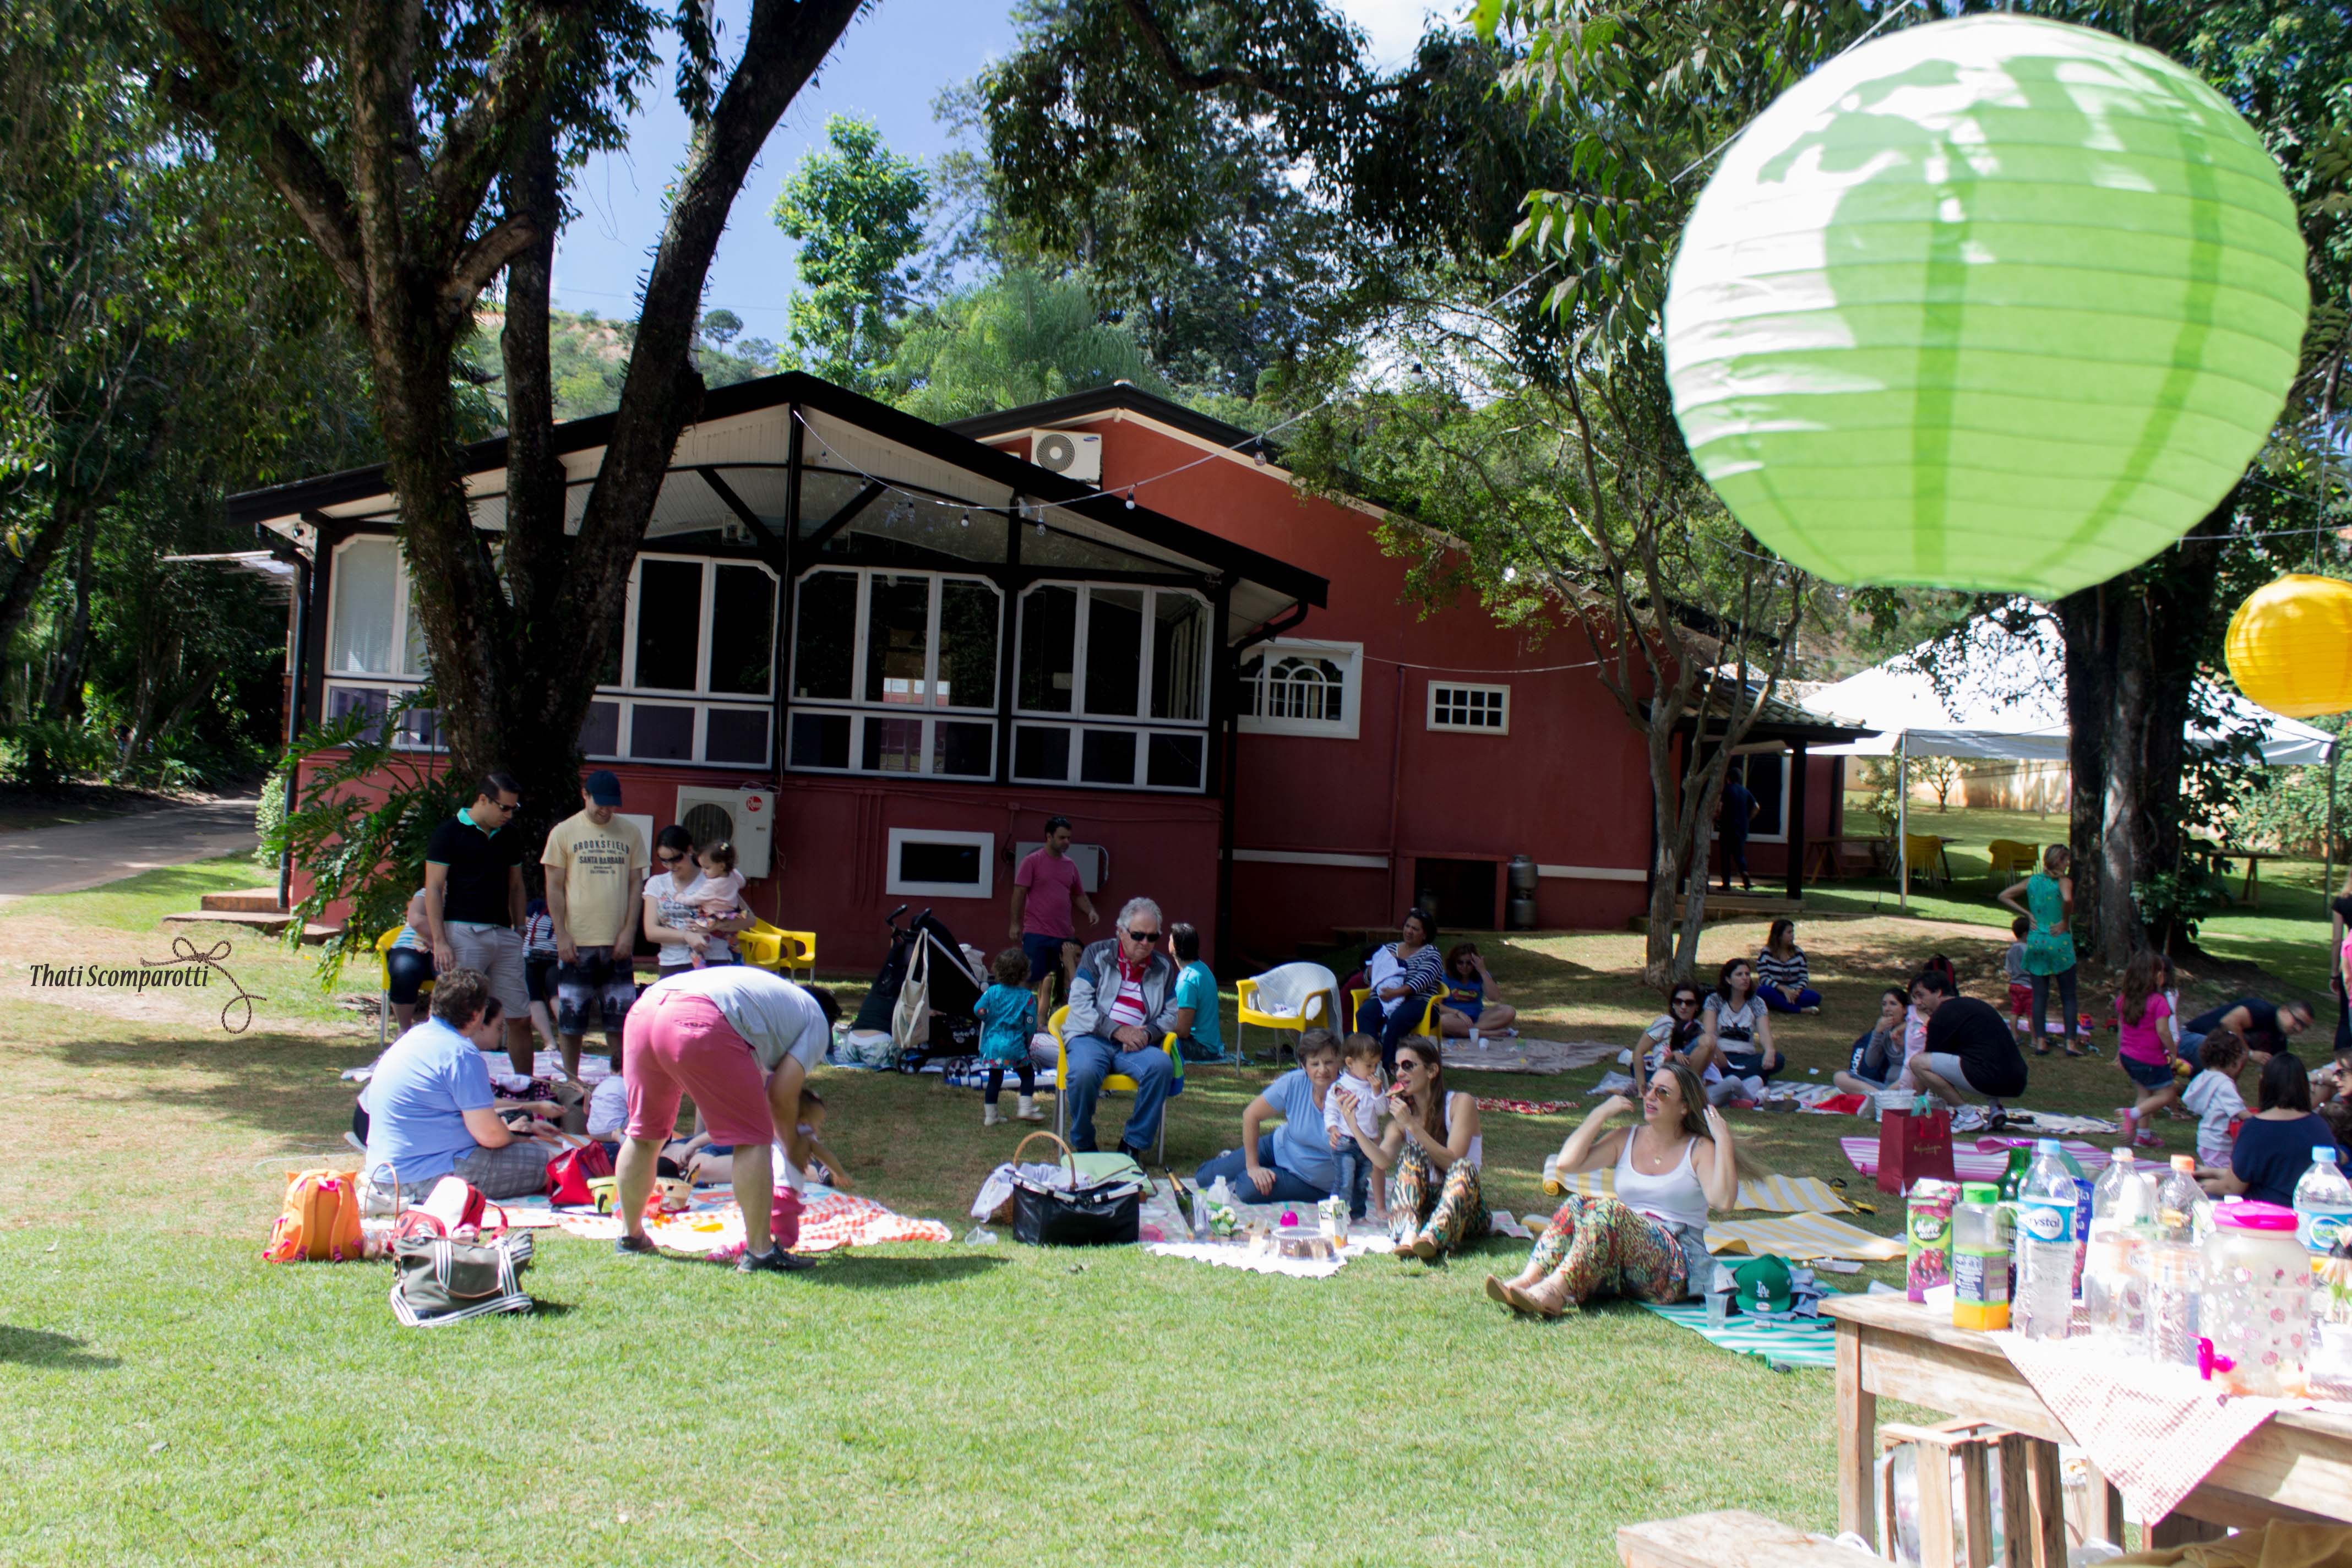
(741, 1041)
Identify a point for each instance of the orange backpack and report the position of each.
(320, 1221)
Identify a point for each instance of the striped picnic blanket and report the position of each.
(1984, 1163)
(1803, 1343)
(1801, 1236)
(1780, 1195)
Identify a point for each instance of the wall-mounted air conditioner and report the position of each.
(1073, 453)
(746, 817)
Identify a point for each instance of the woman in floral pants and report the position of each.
(1432, 1150)
(1648, 1242)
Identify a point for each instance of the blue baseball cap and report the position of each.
(603, 787)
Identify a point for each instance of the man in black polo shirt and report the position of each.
(1969, 1046)
(474, 899)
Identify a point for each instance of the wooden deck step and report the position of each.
(267, 922)
(244, 900)
(1732, 1539)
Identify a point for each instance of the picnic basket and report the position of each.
(1083, 1213)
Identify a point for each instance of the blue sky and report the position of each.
(889, 68)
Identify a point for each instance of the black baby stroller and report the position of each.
(924, 994)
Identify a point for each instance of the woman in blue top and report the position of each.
(1008, 1017)
(2274, 1144)
(1472, 1000)
(1293, 1164)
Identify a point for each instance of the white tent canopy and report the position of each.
(2005, 696)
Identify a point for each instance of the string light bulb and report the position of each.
(1510, 573)
(1130, 497)
(966, 519)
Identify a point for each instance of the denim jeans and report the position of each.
(1093, 1060)
(1393, 1029)
(1289, 1186)
(1355, 1180)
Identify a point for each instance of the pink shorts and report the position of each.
(2020, 998)
(676, 1043)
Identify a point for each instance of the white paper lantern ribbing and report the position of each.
(1999, 303)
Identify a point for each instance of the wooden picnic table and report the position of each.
(2249, 894)
(1890, 1347)
(1827, 859)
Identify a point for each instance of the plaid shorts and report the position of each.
(497, 951)
(516, 1170)
(602, 982)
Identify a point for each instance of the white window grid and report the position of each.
(395, 685)
(1282, 685)
(701, 688)
(1144, 671)
(1473, 709)
(861, 616)
(1074, 771)
(879, 713)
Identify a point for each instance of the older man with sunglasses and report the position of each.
(1122, 1004)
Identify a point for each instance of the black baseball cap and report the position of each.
(603, 787)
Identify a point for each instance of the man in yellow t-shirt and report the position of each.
(595, 864)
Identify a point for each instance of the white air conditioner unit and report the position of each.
(1092, 860)
(1072, 453)
(746, 817)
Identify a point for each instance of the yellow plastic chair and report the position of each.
(766, 947)
(1118, 1081)
(2007, 858)
(1428, 1025)
(1294, 997)
(1923, 852)
(383, 985)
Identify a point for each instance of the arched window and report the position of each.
(1300, 689)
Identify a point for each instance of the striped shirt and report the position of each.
(1423, 973)
(1789, 973)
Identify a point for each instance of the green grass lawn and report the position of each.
(173, 1398)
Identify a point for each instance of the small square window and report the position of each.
(1483, 709)
(600, 733)
(936, 863)
(1174, 762)
(820, 740)
(1041, 752)
(1106, 757)
(736, 735)
(659, 733)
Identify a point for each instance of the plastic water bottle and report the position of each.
(2114, 1267)
(2323, 1212)
(2177, 1200)
(2043, 1304)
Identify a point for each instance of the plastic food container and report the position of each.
(2256, 1303)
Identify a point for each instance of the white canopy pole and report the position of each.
(1902, 823)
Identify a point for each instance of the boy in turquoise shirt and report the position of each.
(1199, 1037)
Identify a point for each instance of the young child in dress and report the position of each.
(1354, 1096)
(2021, 990)
(721, 895)
(2213, 1095)
(1008, 1017)
(2147, 1043)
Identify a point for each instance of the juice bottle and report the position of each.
(1979, 1259)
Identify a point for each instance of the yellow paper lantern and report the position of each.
(1997, 304)
(2290, 646)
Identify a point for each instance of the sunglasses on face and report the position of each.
(668, 857)
(1685, 1002)
(1147, 937)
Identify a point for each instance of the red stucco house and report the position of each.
(1215, 676)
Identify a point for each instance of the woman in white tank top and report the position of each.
(1647, 1242)
(1432, 1150)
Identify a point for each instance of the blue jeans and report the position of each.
(1393, 1028)
(1289, 1186)
(1093, 1060)
(1775, 1001)
(1355, 1183)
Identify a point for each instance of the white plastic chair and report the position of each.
(1296, 997)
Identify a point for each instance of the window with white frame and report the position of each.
(895, 672)
(933, 863)
(1765, 770)
(376, 643)
(698, 651)
(1111, 686)
(1480, 710)
(1295, 686)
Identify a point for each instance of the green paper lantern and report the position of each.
(1998, 304)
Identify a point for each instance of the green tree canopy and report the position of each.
(854, 206)
(1019, 338)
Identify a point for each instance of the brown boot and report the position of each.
(1546, 1297)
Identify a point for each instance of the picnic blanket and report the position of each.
(2155, 1430)
(1780, 1345)
(1984, 1163)
(1784, 1194)
(1511, 1054)
(712, 1226)
(1528, 1107)
(1801, 1236)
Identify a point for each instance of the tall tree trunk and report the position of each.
(66, 510)
(2086, 633)
(2182, 600)
(2122, 819)
(63, 699)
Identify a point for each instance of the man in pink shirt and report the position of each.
(1044, 890)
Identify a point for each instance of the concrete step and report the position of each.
(269, 923)
(244, 900)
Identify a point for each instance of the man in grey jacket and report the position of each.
(1122, 1004)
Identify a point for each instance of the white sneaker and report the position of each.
(989, 1115)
